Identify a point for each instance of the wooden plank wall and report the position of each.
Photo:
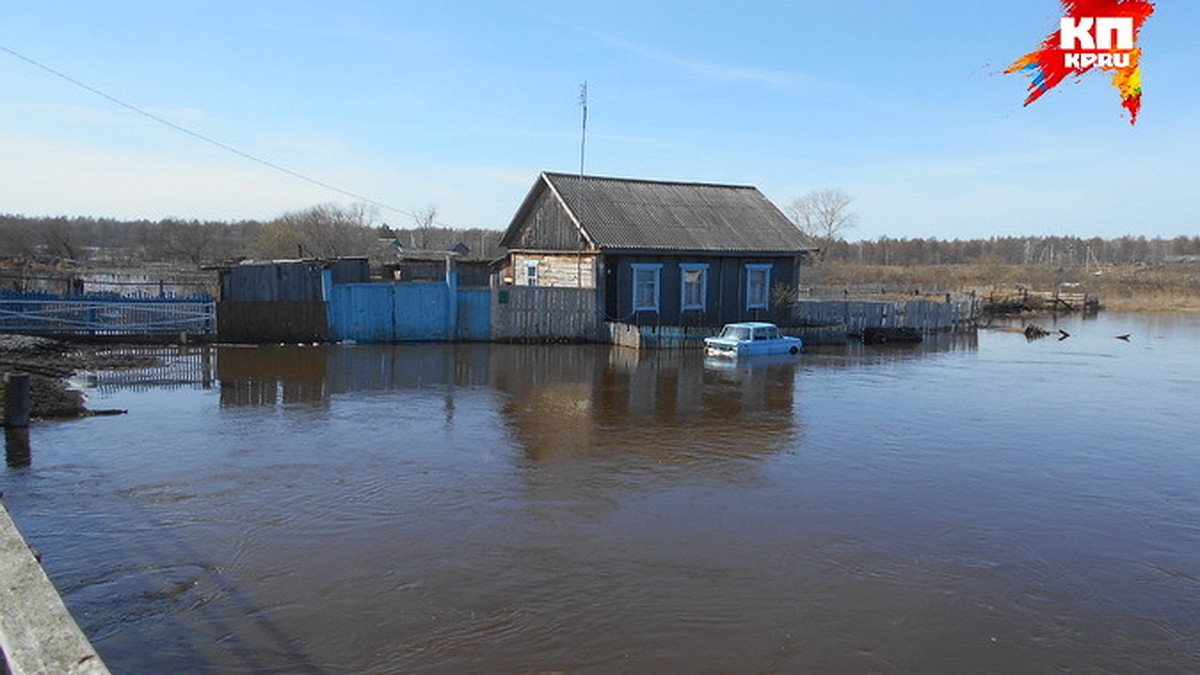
(558, 270)
(541, 314)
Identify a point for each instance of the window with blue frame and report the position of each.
(758, 286)
(693, 286)
(646, 286)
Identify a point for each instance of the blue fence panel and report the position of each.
(422, 312)
(390, 312)
(361, 312)
(475, 315)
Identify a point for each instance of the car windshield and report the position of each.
(736, 332)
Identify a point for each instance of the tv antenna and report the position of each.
(583, 131)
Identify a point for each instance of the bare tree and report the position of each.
(192, 240)
(823, 214)
(423, 221)
(16, 236)
(325, 231)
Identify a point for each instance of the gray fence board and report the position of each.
(855, 315)
(537, 314)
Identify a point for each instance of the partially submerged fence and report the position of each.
(850, 317)
(545, 314)
(105, 315)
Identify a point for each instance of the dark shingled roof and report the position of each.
(627, 214)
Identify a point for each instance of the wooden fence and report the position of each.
(850, 317)
(545, 314)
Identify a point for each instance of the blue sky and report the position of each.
(459, 105)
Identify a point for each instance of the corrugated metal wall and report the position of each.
(281, 301)
(276, 282)
(266, 322)
(288, 281)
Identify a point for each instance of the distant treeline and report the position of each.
(319, 232)
(334, 231)
(1057, 251)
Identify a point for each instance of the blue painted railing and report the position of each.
(105, 314)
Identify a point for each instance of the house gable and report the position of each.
(543, 223)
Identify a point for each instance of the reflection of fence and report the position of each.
(49, 314)
(172, 367)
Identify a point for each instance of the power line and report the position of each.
(211, 141)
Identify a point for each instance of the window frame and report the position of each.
(533, 271)
(753, 270)
(684, 268)
(655, 269)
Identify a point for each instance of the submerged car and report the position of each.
(751, 338)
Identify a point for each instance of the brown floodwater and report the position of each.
(979, 503)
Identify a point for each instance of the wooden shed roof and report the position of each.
(629, 214)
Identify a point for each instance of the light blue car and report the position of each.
(751, 338)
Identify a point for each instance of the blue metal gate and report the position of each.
(105, 315)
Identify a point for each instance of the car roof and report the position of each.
(753, 324)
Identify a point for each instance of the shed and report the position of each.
(281, 300)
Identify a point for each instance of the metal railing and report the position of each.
(102, 315)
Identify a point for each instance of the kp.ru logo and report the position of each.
(1092, 34)
(1076, 34)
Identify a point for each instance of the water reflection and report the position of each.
(286, 374)
(270, 376)
(932, 343)
(560, 401)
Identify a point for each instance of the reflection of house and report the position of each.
(646, 409)
(657, 253)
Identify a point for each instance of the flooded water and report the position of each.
(980, 504)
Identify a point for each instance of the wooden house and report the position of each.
(657, 253)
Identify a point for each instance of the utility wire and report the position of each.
(202, 137)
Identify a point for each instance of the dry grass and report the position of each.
(1171, 288)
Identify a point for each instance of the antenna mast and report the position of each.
(583, 132)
